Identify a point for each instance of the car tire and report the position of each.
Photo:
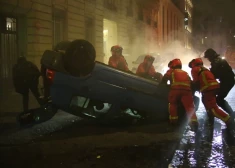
(79, 58)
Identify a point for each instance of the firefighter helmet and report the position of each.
(175, 63)
(149, 58)
(210, 53)
(117, 49)
(195, 62)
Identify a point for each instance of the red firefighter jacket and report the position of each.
(179, 79)
(204, 78)
(145, 71)
(118, 63)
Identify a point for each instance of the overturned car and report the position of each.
(91, 89)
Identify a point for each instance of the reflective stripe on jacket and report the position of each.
(205, 78)
(179, 79)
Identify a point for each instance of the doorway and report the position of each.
(109, 37)
(8, 51)
(8, 47)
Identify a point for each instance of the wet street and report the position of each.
(209, 147)
(68, 141)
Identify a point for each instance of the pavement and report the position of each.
(10, 106)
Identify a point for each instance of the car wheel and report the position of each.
(79, 58)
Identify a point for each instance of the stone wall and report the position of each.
(85, 17)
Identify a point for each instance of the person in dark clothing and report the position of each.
(26, 77)
(222, 71)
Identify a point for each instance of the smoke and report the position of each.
(146, 42)
(176, 49)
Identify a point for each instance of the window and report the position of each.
(11, 24)
(7, 24)
(8, 45)
(186, 17)
(58, 26)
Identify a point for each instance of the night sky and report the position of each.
(217, 8)
(214, 18)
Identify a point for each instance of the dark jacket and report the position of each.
(25, 74)
(222, 70)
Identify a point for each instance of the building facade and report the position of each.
(188, 21)
(171, 20)
(31, 27)
(212, 30)
(187, 8)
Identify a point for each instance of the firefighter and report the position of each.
(146, 69)
(180, 91)
(117, 60)
(206, 83)
(222, 71)
(26, 77)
